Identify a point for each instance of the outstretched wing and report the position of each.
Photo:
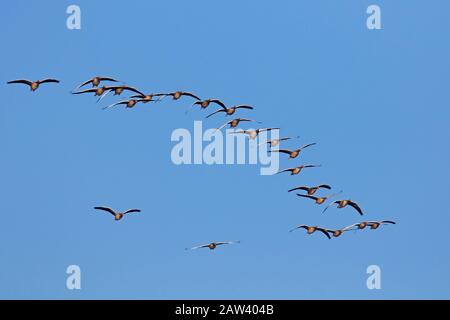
(132, 211)
(218, 102)
(116, 104)
(324, 186)
(308, 145)
(106, 209)
(199, 247)
(222, 126)
(241, 106)
(311, 166)
(226, 242)
(298, 227)
(190, 95)
(23, 81)
(285, 170)
(221, 110)
(299, 188)
(325, 232)
(326, 208)
(129, 89)
(356, 207)
(282, 151)
(307, 196)
(49, 81)
(83, 84)
(107, 79)
(85, 91)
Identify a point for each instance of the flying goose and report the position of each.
(34, 85)
(118, 90)
(213, 245)
(293, 153)
(117, 215)
(128, 103)
(275, 142)
(253, 133)
(298, 169)
(311, 230)
(235, 122)
(96, 81)
(318, 200)
(178, 94)
(205, 103)
(343, 204)
(149, 97)
(311, 190)
(230, 111)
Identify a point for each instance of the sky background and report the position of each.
(376, 102)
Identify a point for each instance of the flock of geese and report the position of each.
(100, 90)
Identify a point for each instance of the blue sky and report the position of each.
(376, 102)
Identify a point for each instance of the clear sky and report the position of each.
(375, 101)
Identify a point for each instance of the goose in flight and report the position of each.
(299, 169)
(235, 122)
(178, 94)
(213, 245)
(97, 91)
(311, 190)
(318, 200)
(128, 103)
(117, 215)
(275, 142)
(338, 232)
(230, 111)
(96, 81)
(253, 133)
(293, 153)
(149, 97)
(343, 203)
(34, 85)
(118, 90)
(205, 103)
(311, 230)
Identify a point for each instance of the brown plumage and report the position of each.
(343, 204)
(299, 169)
(311, 230)
(230, 111)
(34, 85)
(117, 215)
(293, 153)
(311, 190)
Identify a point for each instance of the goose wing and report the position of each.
(23, 81)
(355, 206)
(107, 209)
